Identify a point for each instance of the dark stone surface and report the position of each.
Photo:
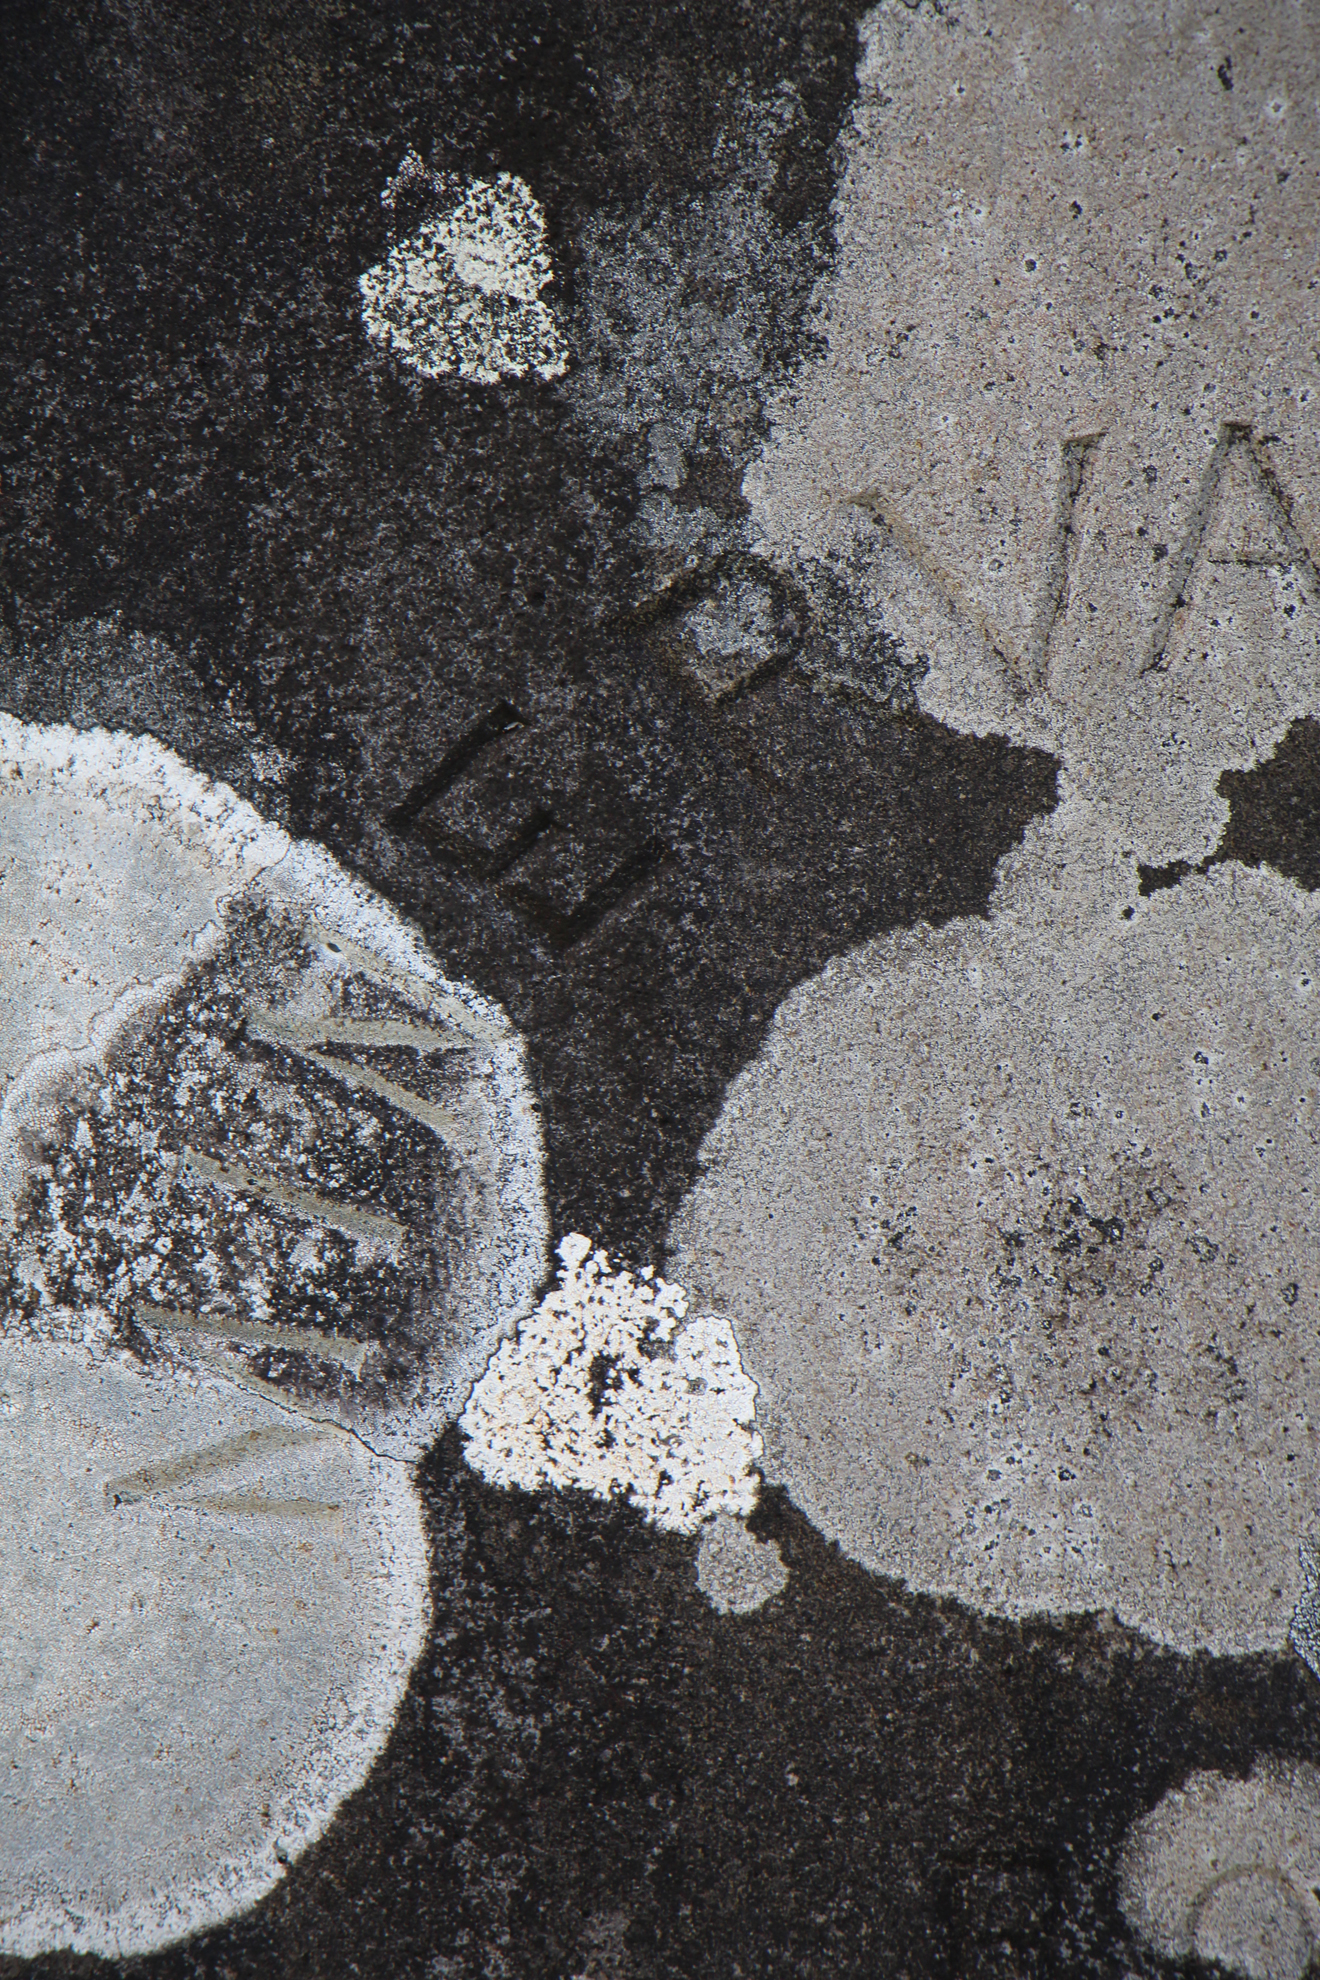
(1274, 810)
(433, 603)
(413, 590)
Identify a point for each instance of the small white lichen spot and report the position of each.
(610, 1390)
(736, 1572)
(1226, 1872)
(461, 294)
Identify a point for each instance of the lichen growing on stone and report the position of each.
(461, 294)
(609, 1389)
(1015, 1217)
(1225, 1871)
(269, 1191)
(736, 1572)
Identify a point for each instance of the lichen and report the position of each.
(1015, 1218)
(1225, 1871)
(269, 1191)
(461, 293)
(609, 1389)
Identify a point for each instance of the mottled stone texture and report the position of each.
(453, 632)
(434, 598)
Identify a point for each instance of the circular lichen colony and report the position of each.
(1023, 1255)
(269, 1194)
(212, 1607)
(1015, 1219)
(1224, 1871)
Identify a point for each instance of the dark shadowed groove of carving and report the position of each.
(1303, 553)
(1181, 566)
(630, 878)
(209, 1461)
(1052, 605)
(662, 611)
(487, 729)
(1231, 435)
(677, 594)
(461, 852)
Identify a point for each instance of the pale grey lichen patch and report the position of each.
(609, 1389)
(1016, 1219)
(1070, 267)
(1018, 1234)
(736, 1572)
(1227, 1871)
(462, 293)
(198, 1665)
(271, 1192)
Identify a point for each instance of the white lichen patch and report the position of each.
(1016, 1224)
(213, 1041)
(1227, 1871)
(736, 1572)
(609, 1389)
(1016, 1219)
(462, 293)
(271, 1193)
